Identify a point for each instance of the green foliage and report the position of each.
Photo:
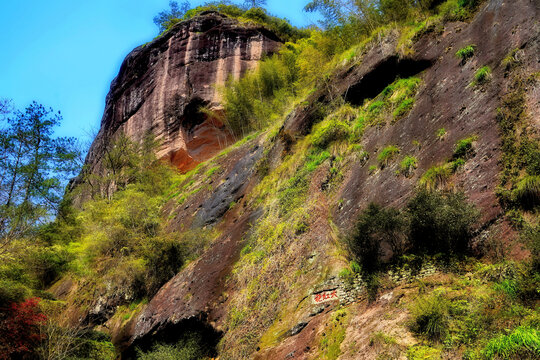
(430, 317)
(256, 15)
(441, 222)
(464, 148)
(436, 177)
(527, 192)
(330, 131)
(407, 165)
(294, 192)
(421, 352)
(482, 75)
(521, 343)
(387, 154)
(466, 53)
(190, 347)
(393, 103)
(35, 167)
(168, 18)
(251, 101)
(332, 339)
(510, 61)
(440, 133)
(377, 227)
(403, 108)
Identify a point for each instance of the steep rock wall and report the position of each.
(162, 84)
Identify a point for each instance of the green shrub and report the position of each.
(466, 53)
(464, 148)
(482, 75)
(430, 317)
(436, 177)
(456, 164)
(387, 154)
(329, 132)
(440, 133)
(527, 192)
(408, 164)
(441, 222)
(521, 343)
(164, 257)
(377, 227)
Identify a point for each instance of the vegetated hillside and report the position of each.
(381, 202)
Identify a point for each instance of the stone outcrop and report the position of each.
(162, 85)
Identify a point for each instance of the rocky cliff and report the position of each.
(270, 284)
(208, 293)
(161, 86)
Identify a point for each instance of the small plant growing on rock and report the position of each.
(527, 192)
(482, 75)
(387, 155)
(441, 133)
(407, 165)
(436, 177)
(466, 53)
(464, 147)
(333, 130)
(372, 169)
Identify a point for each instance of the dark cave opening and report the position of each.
(383, 75)
(194, 338)
(193, 115)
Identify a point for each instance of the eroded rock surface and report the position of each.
(161, 86)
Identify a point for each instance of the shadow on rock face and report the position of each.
(385, 73)
(191, 338)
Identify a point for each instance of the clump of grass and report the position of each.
(373, 169)
(430, 317)
(510, 61)
(420, 352)
(482, 75)
(403, 108)
(332, 339)
(456, 164)
(330, 131)
(522, 343)
(464, 147)
(212, 171)
(466, 53)
(387, 155)
(408, 164)
(440, 133)
(527, 192)
(436, 177)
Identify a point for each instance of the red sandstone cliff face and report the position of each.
(162, 84)
(444, 100)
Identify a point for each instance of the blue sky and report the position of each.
(65, 53)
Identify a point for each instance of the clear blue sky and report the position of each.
(65, 53)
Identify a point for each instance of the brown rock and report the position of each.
(161, 86)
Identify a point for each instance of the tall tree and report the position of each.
(36, 166)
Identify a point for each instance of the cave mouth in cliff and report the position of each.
(194, 336)
(193, 115)
(383, 75)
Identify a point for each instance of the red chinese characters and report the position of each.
(325, 296)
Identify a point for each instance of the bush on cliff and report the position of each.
(434, 222)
